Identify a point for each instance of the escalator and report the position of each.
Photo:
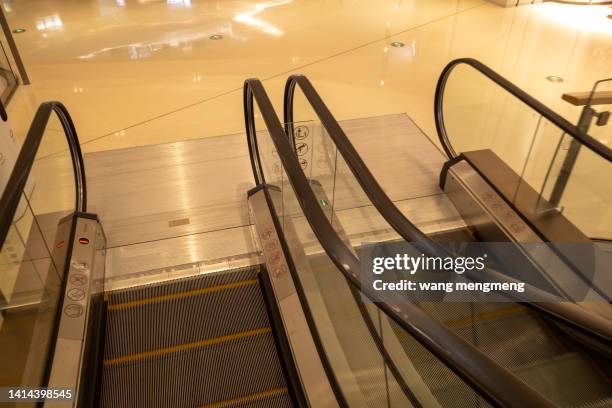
(296, 328)
(559, 348)
(160, 351)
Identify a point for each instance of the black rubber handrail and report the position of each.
(593, 144)
(19, 176)
(366, 179)
(493, 382)
(566, 312)
(253, 92)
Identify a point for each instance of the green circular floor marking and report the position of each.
(554, 78)
(19, 30)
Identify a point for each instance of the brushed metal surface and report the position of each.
(67, 356)
(495, 221)
(169, 258)
(145, 195)
(138, 192)
(305, 354)
(404, 161)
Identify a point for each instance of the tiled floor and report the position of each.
(136, 72)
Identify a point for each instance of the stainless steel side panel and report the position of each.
(305, 354)
(82, 280)
(488, 214)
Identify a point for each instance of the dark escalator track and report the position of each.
(196, 342)
(524, 341)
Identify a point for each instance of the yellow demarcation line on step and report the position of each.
(478, 317)
(186, 346)
(247, 398)
(486, 315)
(180, 295)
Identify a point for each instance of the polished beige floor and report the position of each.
(138, 72)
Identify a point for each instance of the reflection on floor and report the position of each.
(143, 72)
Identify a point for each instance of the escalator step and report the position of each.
(506, 332)
(198, 342)
(264, 397)
(180, 295)
(184, 347)
(183, 312)
(178, 285)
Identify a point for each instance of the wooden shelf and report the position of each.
(581, 98)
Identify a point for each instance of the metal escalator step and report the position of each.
(468, 320)
(448, 388)
(195, 377)
(455, 312)
(605, 403)
(191, 342)
(263, 396)
(184, 347)
(178, 285)
(506, 332)
(185, 311)
(180, 295)
(568, 380)
(511, 340)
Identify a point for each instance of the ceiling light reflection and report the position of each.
(179, 3)
(144, 50)
(587, 18)
(49, 23)
(249, 18)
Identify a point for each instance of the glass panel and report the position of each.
(541, 166)
(354, 214)
(32, 263)
(315, 151)
(553, 171)
(359, 342)
(479, 114)
(8, 79)
(343, 327)
(318, 160)
(588, 193)
(351, 212)
(29, 288)
(51, 187)
(587, 197)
